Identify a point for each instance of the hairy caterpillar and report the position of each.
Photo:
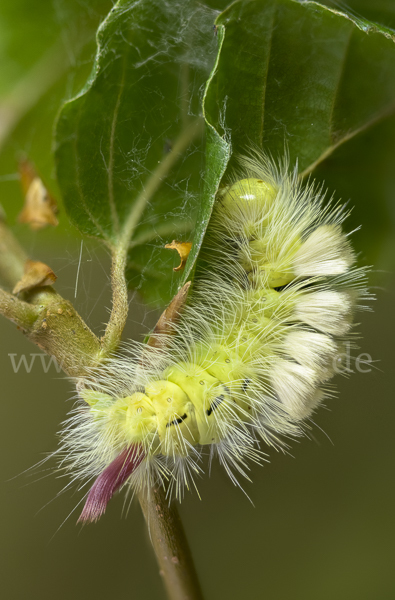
(251, 356)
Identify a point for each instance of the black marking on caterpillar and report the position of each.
(214, 405)
(245, 384)
(177, 421)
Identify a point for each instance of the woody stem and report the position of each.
(170, 546)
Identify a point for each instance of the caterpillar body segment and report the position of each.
(251, 356)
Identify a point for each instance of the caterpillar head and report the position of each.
(140, 421)
(176, 423)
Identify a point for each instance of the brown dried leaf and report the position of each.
(40, 207)
(169, 318)
(37, 274)
(183, 249)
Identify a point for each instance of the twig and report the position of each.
(171, 547)
(119, 311)
(47, 319)
(120, 303)
(21, 313)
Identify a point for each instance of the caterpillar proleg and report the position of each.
(251, 356)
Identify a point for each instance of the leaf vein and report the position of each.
(266, 74)
(110, 170)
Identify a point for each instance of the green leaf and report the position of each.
(129, 146)
(303, 75)
(306, 77)
(286, 74)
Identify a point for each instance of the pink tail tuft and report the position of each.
(109, 481)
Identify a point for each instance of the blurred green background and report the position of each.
(322, 524)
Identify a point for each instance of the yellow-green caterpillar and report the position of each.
(251, 355)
